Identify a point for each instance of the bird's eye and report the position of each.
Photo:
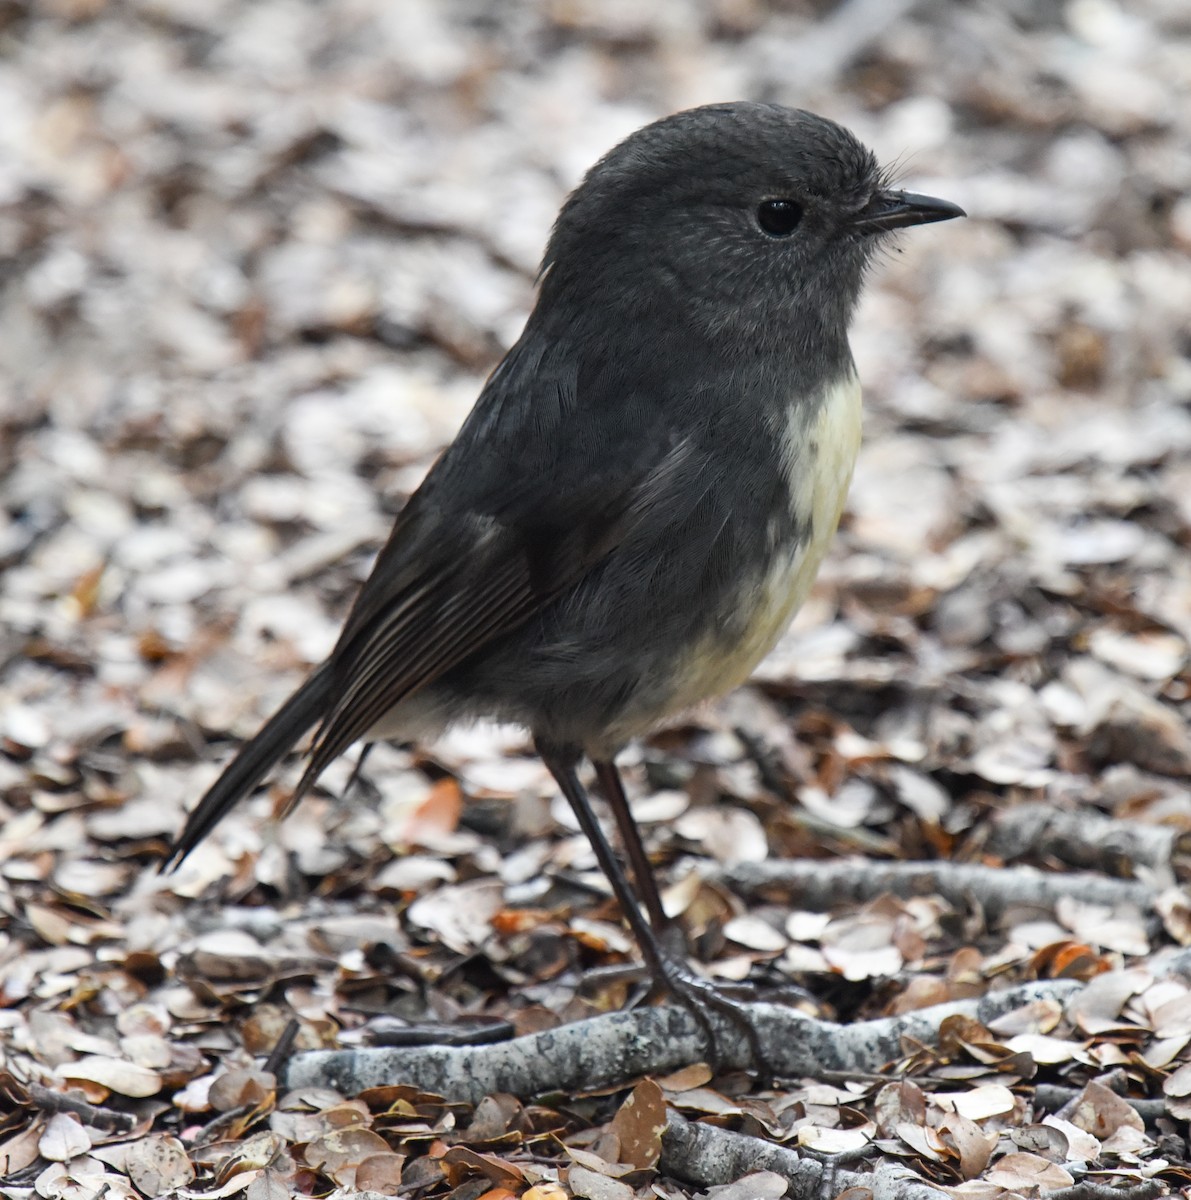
(779, 218)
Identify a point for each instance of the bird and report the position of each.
(641, 497)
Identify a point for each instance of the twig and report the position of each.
(1053, 1097)
(105, 1119)
(611, 1050)
(215, 1129)
(707, 1155)
(820, 885)
(1082, 839)
(1087, 1190)
(280, 1052)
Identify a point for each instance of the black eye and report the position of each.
(779, 217)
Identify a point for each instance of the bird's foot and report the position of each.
(703, 999)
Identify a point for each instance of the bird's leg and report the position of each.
(630, 835)
(669, 974)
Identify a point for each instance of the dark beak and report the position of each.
(896, 210)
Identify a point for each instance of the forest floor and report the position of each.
(256, 258)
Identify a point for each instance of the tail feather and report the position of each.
(256, 758)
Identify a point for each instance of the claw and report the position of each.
(701, 998)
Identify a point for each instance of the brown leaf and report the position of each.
(926, 1141)
(897, 1104)
(241, 1086)
(268, 1185)
(380, 1173)
(158, 1164)
(20, 1150)
(437, 815)
(545, 1191)
(459, 915)
(972, 1144)
(685, 1078)
(958, 1032)
(340, 1152)
(594, 1161)
(252, 1154)
(1076, 1143)
(1098, 1006)
(1028, 1174)
(923, 991)
(757, 1185)
(1048, 1140)
(1178, 1083)
(1069, 960)
(640, 1123)
(461, 1163)
(1101, 1112)
(1039, 1016)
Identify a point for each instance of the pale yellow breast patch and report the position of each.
(819, 456)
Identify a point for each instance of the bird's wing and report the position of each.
(539, 485)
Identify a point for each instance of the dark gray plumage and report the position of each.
(642, 492)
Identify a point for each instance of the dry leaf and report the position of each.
(380, 1173)
(832, 1141)
(240, 1086)
(158, 1164)
(640, 1123)
(972, 1144)
(459, 915)
(63, 1138)
(980, 1103)
(755, 934)
(20, 1150)
(897, 1104)
(757, 1185)
(461, 1163)
(593, 1185)
(1101, 1112)
(545, 1191)
(1080, 1146)
(268, 1185)
(341, 1151)
(685, 1078)
(116, 1074)
(1028, 1174)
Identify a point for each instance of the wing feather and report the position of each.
(498, 530)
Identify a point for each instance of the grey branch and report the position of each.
(707, 1155)
(607, 1051)
(819, 885)
(1084, 839)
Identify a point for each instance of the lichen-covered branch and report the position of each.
(609, 1050)
(818, 885)
(1084, 839)
(707, 1155)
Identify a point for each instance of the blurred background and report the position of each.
(257, 256)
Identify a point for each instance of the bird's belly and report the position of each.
(819, 453)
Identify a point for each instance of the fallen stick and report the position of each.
(608, 1051)
(822, 884)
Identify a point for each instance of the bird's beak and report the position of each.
(896, 210)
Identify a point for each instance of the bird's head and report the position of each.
(732, 217)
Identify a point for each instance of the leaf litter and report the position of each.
(262, 258)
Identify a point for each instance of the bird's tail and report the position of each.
(254, 761)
